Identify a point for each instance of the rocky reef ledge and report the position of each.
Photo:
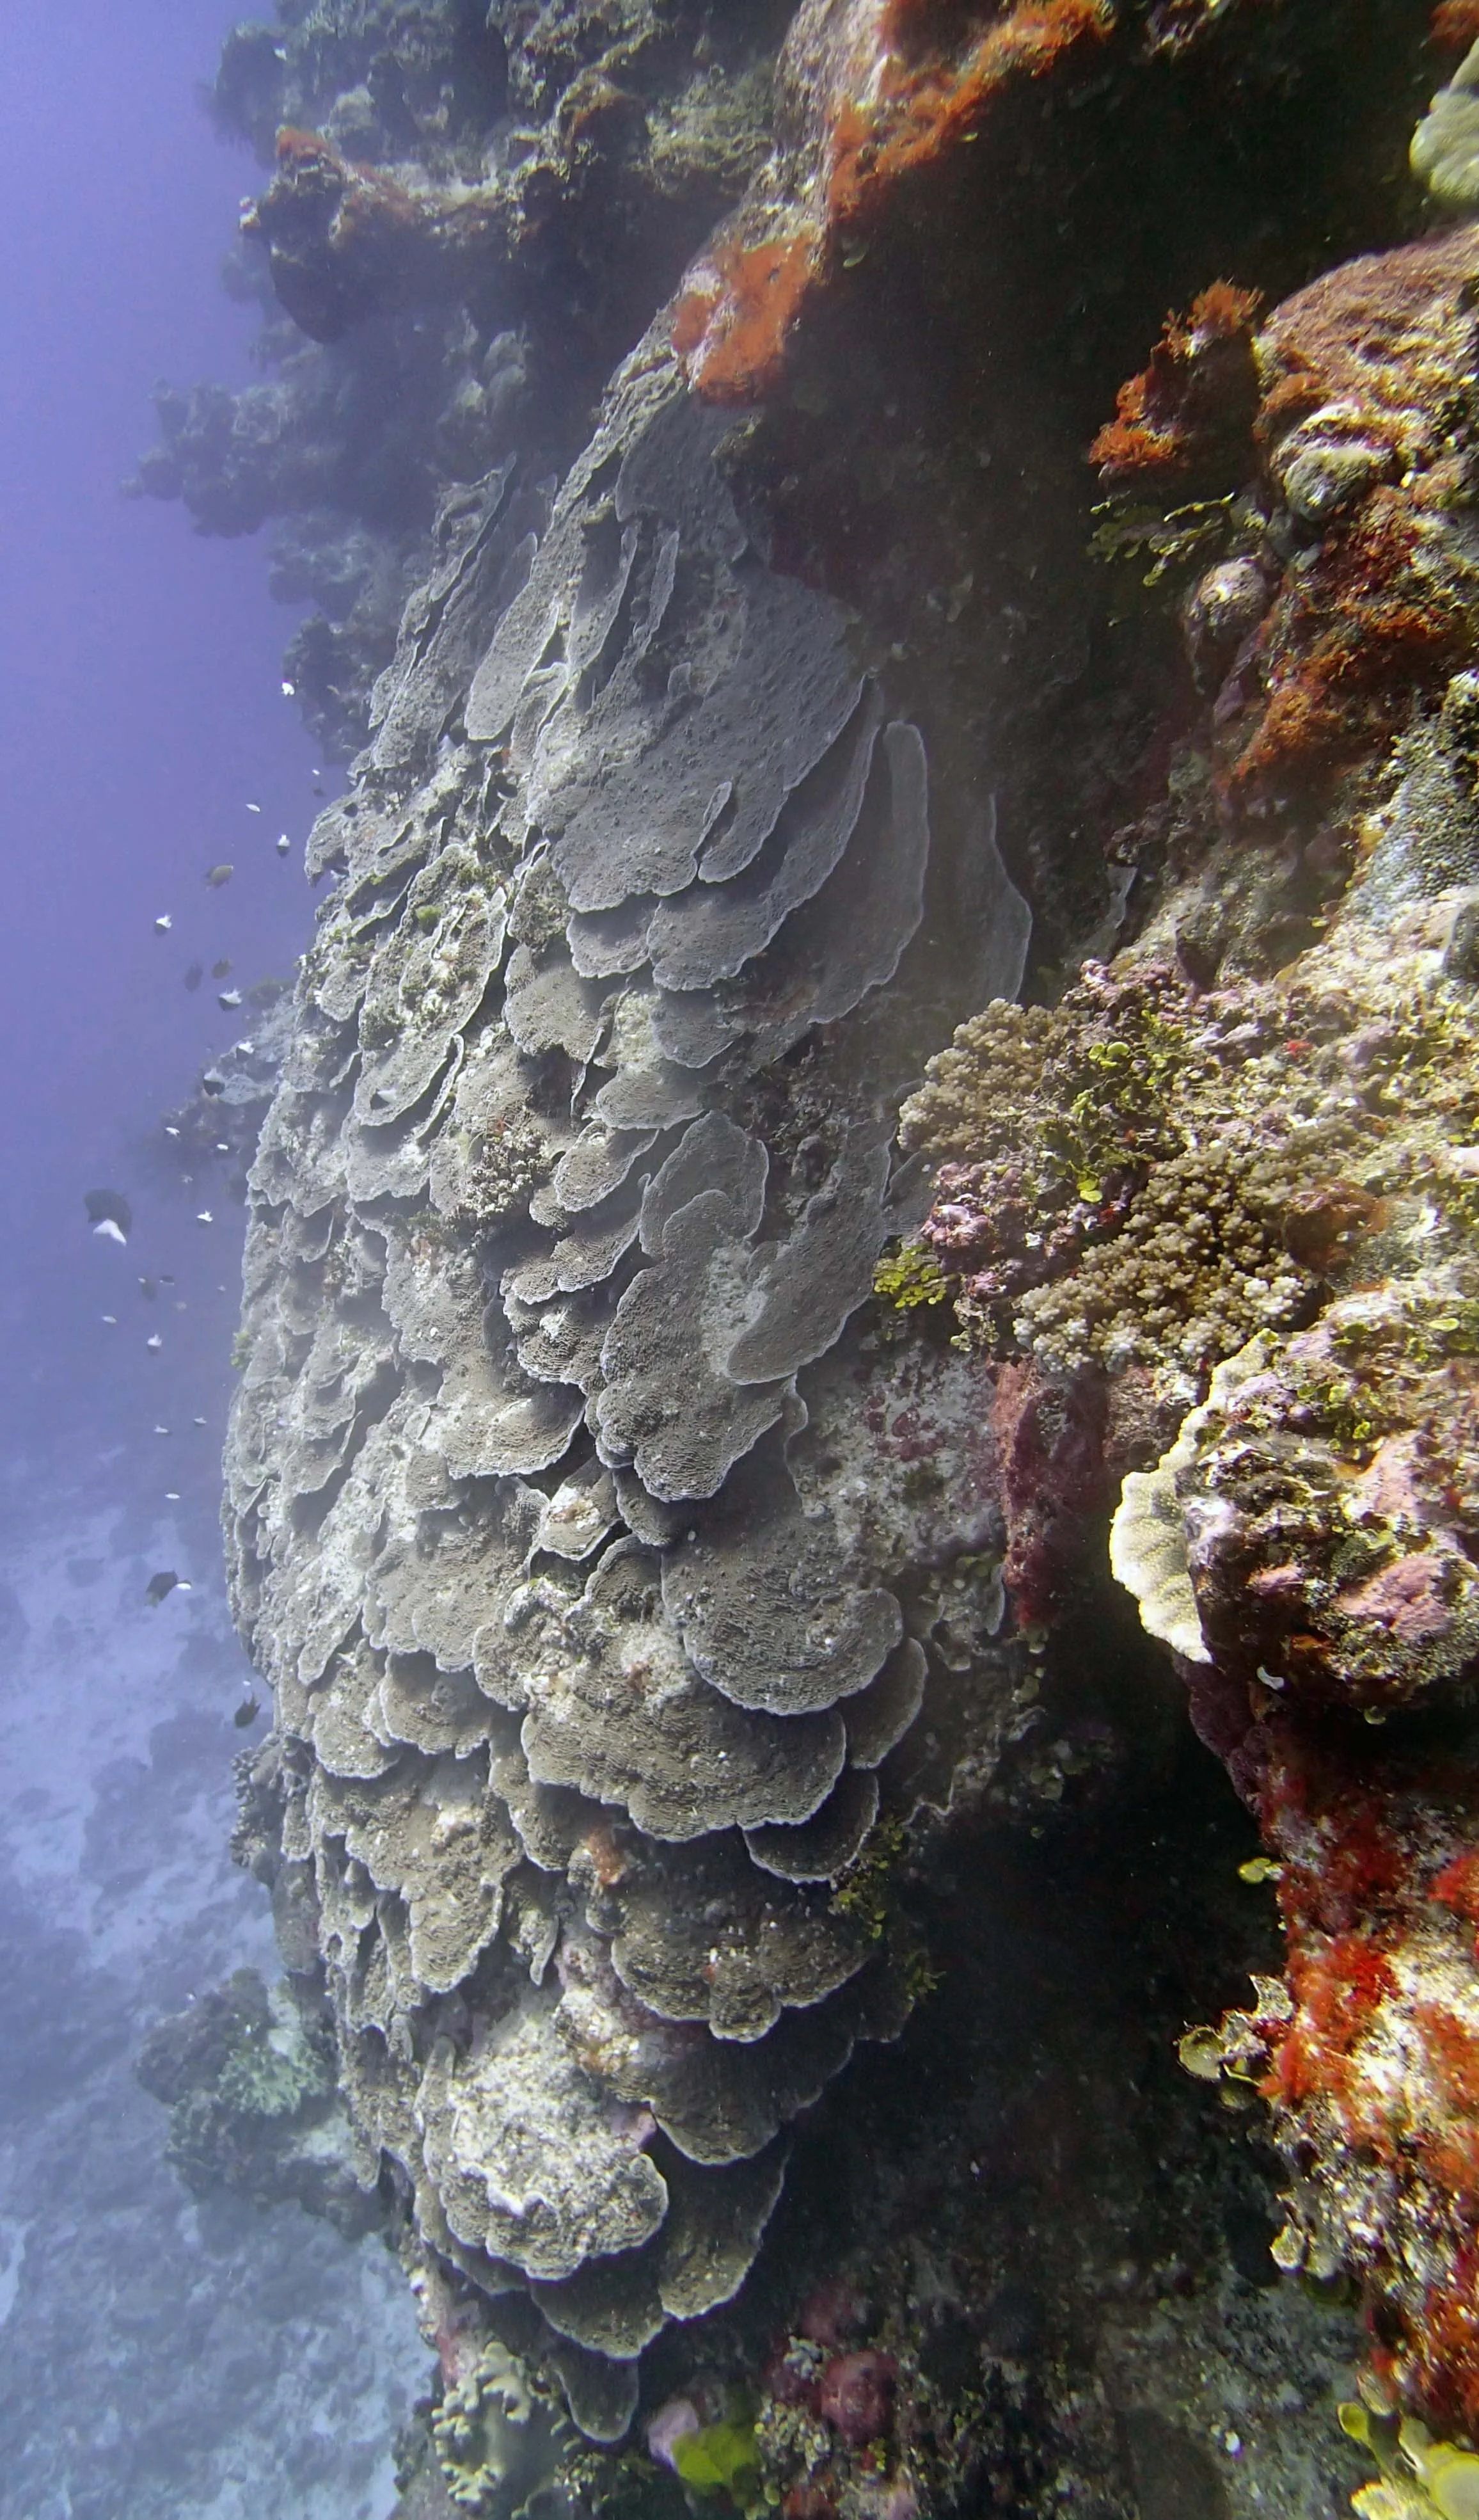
(855, 1464)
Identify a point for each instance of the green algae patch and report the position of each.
(719, 2458)
(909, 1278)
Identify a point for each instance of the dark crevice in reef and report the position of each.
(928, 462)
(855, 1441)
(1029, 2151)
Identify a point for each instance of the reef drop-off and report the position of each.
(893, 989)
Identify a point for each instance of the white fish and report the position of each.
(111, 1319)
(170, 1131)
(161, 1430)
(153, 1340)
(290, 691)
(205, 1217)
(228, 1000)
(108, 1210)
(283, 844)
(163, 924)
(252, 808)
(171, 1496)
(199, 1422)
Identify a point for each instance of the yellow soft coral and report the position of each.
(1420, 2476)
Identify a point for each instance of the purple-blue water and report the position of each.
(140, 702)
(157, 2357)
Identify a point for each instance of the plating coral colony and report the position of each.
(855, 1464)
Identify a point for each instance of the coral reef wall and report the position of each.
(893, 983)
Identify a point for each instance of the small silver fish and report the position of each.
(108, 1214)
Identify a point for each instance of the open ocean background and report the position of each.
(155, 2358)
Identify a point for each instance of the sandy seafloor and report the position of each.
(156, 2356)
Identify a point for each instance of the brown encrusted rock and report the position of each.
(1306, 1547)
(1347, 424)
(1326, 1491)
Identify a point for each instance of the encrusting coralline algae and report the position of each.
(880, 1124)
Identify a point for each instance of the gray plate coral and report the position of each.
(590, 1675)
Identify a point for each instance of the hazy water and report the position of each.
(155, 2359)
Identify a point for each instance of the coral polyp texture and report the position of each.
(590, 1677)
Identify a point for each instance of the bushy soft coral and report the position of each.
(1146, 1174)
